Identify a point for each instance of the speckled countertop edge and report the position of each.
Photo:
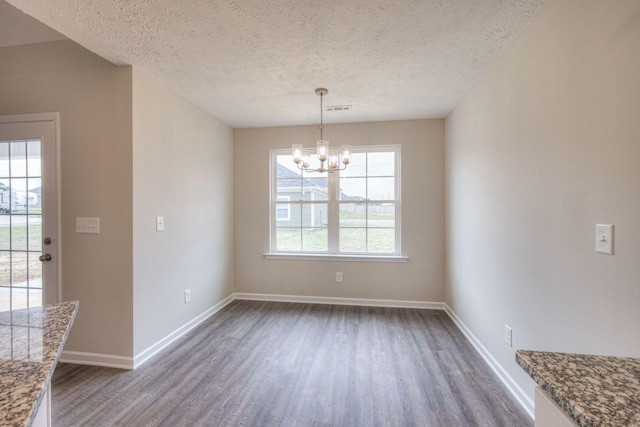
(56, 325)
(596, 391)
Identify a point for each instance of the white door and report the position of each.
(29, 245)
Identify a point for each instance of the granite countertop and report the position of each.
(31, 342)
(596, 391)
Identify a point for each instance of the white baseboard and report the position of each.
(96, 359)
(516, 391)
(122, 362)
(147, 354)
(341, 301)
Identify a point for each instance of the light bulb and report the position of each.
(296, 152)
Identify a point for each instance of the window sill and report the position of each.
(333, 257)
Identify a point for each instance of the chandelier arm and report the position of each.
(308, 170)
(340, 169)
(320, 169)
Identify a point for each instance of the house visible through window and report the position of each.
(283, 210)
(353, 211)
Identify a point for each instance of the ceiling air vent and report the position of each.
(338, 108)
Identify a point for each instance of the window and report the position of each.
(354, 211)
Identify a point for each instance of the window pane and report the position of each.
(381, 240)
(34, 193)
(35, 232)
(5, 234)
(353, 188)
(381, 215)
(314, 215)
(290, 188)
(315, 239)
(288, 178)
(4, 159)
(381, 189)
(35, 271)
(286, 168)
(319, 194)
(357, 167)
(320, 214)
(5, 194)
(353, 215)
(19, 233)
(353, 239)
(295, 215)
(19, 263)
(316, 188)
(34, 165)
(18, 194)
(288, 239)
(381, 164)
(288, 235)
(315, 219)
(5, 268)
(19, 159)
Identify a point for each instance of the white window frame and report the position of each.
(333, 251)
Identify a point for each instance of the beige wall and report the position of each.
(131, 150)
(182, 170)
(545, 147)
(94, 101)
(421, 279)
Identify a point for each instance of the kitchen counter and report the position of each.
(598, 391)
(31, 342)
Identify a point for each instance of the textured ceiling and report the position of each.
(257, 62)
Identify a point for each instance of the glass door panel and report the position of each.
(20, 224)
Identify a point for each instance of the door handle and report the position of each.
(45, 257)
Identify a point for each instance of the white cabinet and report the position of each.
(549, 414)
(43, 416)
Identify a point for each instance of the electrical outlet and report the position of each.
(187, 296)
(338, 277)
(159, 223)
(507, 335)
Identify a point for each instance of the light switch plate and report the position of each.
(604, 238)
(159, 223)
(88, 225)
(508, 337)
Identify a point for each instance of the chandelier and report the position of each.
(335, 160)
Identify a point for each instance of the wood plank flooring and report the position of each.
(288, 364)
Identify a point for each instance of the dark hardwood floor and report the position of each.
(285, 364)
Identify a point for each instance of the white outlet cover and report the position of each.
(604, 238)
(159, 223)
